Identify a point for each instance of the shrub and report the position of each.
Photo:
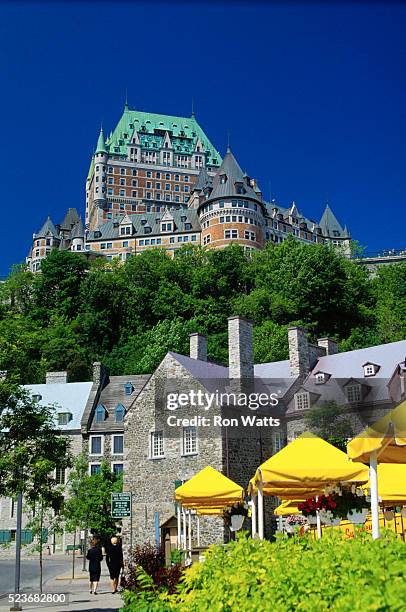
(298, 574)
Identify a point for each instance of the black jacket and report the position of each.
(95, 557)
(114, 557)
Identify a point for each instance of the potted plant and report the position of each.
(351, 502)
(234, 516)
(309, 510)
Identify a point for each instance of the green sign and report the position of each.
(121, 505)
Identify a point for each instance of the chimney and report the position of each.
(329, 345)
(298, 351)
(100, 373)
(198, 346)
(53, 378)
(240, 348)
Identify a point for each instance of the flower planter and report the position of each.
(328, 519)
(236, 522)
(311, 519)
(388, 515)
(357, 517)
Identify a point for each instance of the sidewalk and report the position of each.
(78, 592)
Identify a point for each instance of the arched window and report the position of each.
(119, 413)
(100, 413)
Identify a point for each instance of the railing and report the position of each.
(381, 254)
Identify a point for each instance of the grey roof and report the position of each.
(329, 223)
(47, 228)
(78, 230)
(274, 369)
(349, 364)
(110, 229)
(114, 393)
(70, 219)
(231, 169)
(203, 181)
(67, 397)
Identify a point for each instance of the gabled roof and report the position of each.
(329, 223)
(47, 228)
(203, 181)
(70, 219)
(233, 174)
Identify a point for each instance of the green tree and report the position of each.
(328, 421)
(389, 288)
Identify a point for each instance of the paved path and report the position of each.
(78, 592)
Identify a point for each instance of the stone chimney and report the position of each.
(298, 351)
(330, 346)
(100, 373)
(198, 346)
(52, 378)
(240, 348)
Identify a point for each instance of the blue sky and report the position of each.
(314, 96)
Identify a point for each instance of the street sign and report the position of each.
(121, 505)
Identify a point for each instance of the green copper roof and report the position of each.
(89, 174)
(101, 146)
(151, 128)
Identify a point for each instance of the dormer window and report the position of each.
(100, 414)
(147, 229)
(353, 392)
(37, 397)
(183, 218)
(370, 369)
(223, 179)
(320, 378)
(302, 400)
(64, 418)
(119, 413)
(128, 388)
(166, 227)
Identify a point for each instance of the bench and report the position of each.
(71, 547)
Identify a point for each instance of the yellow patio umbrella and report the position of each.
(391, 483)
(384, 442)
(209, 488)
(287, 507)
(386, 437)
(302, 469)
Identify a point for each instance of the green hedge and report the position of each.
(289, 575)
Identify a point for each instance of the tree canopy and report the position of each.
(127, 316)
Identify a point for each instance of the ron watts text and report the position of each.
(220, 421)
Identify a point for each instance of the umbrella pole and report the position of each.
(184, 529)
(179, 527)
(198, 530)
(260, 511)
(253, 516)
(373, 479)
(190, 533)
(318, 521)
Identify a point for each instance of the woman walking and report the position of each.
(95, 557)
(114, 560)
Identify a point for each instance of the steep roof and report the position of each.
(78, 230)
(101, 145)
(329, 223)
(227, 177)
(203, 181)
(47, 228)
(70, 219)
(151, 128)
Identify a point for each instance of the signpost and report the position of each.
(122, 507)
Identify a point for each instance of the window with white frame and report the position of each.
(320, 378)
(157, 444)
(189, 441)
(96, 445)
(353, 393)
(229, 234)
(302, 400)
(277, 442)
(369, 369)
(60, 475)
(118, 444)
